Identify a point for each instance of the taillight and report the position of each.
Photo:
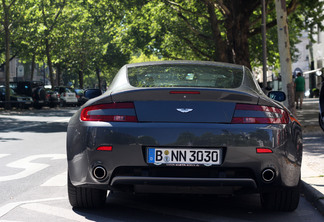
(111, 112)
(105, 148)
(263, 150)
(255, 114)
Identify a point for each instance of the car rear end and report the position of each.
(223, 139)
(16, 100)
(24, 101)
(68, 97)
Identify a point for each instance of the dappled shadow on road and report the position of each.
(33, 126)
(164, 207)
(38, 121)
(45, 112)
(46, 127)
(308, 116)
(3, 139)
(8, 123)
(314, 144)
(153, 207)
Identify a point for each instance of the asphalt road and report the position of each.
(33, 183)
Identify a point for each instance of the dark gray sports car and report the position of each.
(184, 127)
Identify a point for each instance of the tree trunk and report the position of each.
(239, 47)
(81, 79)
(32, 67)
(49, 61)
(237, 27)
(7, 45)
(220, 44)
(81, 71)
(98, 76)
(59, 73)
(285, 57)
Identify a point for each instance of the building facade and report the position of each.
(22, 72)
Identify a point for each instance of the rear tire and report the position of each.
(26, 106)
(285, 199)
(81, 197)
(37, 105)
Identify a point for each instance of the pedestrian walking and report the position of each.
(299, 90)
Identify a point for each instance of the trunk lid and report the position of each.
(184, 111)
(185, 105)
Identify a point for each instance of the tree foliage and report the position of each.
(227, 31)
(73, 38)
(86, 41)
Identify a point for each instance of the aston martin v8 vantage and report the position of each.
(184, 127)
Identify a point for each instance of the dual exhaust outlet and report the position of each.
(268, 175)
(99, 172)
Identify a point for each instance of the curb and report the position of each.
(313, 196)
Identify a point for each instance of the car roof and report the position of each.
(185, 62)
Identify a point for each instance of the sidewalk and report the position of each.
(313, 158)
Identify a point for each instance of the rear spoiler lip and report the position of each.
(206, 94)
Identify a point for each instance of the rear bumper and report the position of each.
(171, 181)
(70, 100)
(129, 143)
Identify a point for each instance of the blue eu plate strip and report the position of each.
(151, 155)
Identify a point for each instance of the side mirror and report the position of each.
(92, 93)
(277, 95)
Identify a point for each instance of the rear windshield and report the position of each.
(185, 76)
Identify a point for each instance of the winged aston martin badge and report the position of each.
(184, 110)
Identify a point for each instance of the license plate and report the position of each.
(200, 156)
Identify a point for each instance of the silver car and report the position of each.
(188, 127)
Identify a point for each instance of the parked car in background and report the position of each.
(33, 89)
(16, 100)
(79, 94)
(89, 94)
(52, 98)
(67, 96)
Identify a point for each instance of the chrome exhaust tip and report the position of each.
(99, 172)
(268, 175)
